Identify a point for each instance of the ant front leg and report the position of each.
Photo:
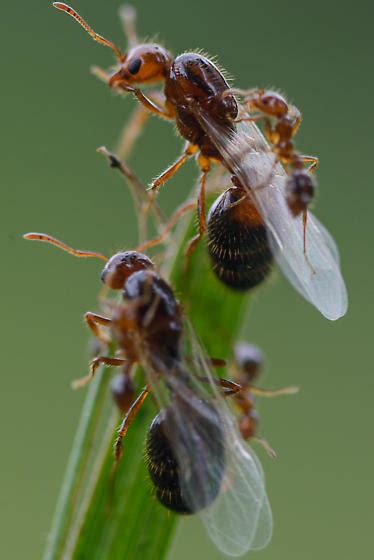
(93, 321)
(201, 210)
(129, 417)
(305, 221)
(96, 362)
(149, 104)
(134, 127)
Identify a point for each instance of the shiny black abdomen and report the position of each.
(206, 454)
(237, 242)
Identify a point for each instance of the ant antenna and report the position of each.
(95, 36)
(49, 239)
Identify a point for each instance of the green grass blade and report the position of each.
(69, 496)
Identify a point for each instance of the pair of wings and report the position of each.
(221, 478)
(246, 152)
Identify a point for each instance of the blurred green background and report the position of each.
(54, 115)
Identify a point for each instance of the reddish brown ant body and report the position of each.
(198, 99)
(190, 79)
(270, 106)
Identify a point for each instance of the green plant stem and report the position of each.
(77, 466)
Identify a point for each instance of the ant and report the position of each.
(299, 187)
(190, 80)
(147, 326)
(247, 365)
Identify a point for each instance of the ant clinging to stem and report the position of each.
(189, 79)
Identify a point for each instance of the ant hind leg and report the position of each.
(129, 417)
(201, 208)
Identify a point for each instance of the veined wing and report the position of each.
(220, 477)
(246, 152)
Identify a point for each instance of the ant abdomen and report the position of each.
(206, 475)
(237, 241)
(300, 190)
(163, 468)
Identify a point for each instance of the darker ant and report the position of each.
(146, 327)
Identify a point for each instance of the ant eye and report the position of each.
(134, 66)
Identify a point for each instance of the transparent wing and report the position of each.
(221, 479)
(246, 152)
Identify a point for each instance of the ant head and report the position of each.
(300, 190)
(249, 360)
(270, 102)
(147, 63)
(143, 64)
(121, 266)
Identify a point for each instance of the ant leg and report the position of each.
(305, 220)
(189, 151)
(205, 167)
(149, 104)
(229, 387)
(127, 15)
(133, 128)
(96, 362)
(314, 161)
(265, 444)
(274, 392)
(93, 320)
(129, 417)
(153, 102)
(183, 209)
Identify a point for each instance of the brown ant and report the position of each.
(247, 365)
(149, 322)
(299, 187)
(190, 80)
